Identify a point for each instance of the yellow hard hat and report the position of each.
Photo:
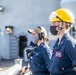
(62, 14)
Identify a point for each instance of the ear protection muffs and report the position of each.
(41, 35)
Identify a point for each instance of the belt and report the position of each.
(70, 73)
(38, 72)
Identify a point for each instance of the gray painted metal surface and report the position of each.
(22, 15)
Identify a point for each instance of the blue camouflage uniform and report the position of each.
(64, 56)
(40, 61)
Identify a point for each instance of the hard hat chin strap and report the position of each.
(60, 27)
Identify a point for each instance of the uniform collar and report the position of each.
(42, 43)
(62, 41)
(64, 36)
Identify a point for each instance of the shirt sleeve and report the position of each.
(71, 51)
(47, 54)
